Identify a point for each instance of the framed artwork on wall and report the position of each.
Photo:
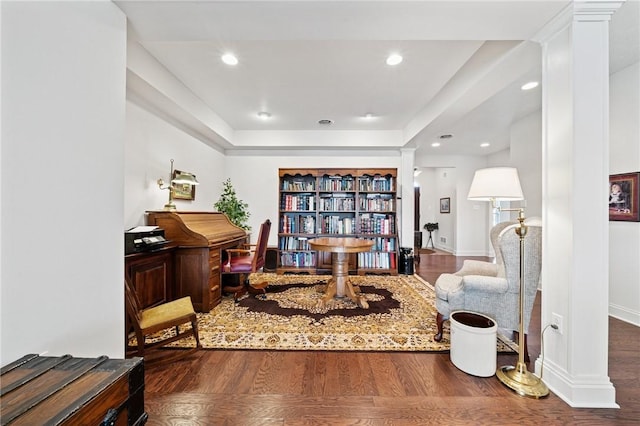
(445, 205)
(183, 191)
(624, 197)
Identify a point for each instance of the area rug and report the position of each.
(401, 317)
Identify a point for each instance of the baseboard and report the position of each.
(624, 314)
(579, 392)
(469, 253)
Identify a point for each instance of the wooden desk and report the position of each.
(200, 238)
(339, 285)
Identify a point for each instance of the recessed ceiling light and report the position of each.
(325, 122)
(229, 59)
(264, 115)
(394, 59)
(530, 85)
(369, 116)
(484, 144)
(435, 144)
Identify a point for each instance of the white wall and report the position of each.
(466, 227)
(255, 177)
(150, 145)
(429, 207)
(62, 174)
(624, 156)
(526, 156)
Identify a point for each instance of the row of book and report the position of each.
(377, 260)
(299, 185)
(293, 243)
(298, 260)
(377, 204)
(301, 202)
(298, 224)
(337, 183)
(337, 204)
(377, 224)
(377, 183)
(383, 244)
(337, 225)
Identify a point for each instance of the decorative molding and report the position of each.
(602, 10)
(557, 24)
(577, 11)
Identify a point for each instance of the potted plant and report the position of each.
(235, 209)
(430, 227)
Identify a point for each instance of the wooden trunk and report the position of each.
(64, 390)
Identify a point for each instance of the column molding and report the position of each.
(575, 121)
(407, 202)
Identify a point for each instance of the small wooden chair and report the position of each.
(146, 322)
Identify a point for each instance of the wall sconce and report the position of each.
(181, 179)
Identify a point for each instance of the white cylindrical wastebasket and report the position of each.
(473, 343)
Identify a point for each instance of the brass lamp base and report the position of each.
(522, 381)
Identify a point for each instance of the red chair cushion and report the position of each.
(239, 264)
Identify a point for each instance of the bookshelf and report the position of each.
(357, 203)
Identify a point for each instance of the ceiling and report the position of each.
(303, 61)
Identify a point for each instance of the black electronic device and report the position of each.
(143, 238)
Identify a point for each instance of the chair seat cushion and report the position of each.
(174, 310)
(446, 284)
(239, 264)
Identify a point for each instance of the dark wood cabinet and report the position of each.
(151, 274)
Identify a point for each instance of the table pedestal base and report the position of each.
(339, 286)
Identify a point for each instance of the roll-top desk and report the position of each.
(199, 238)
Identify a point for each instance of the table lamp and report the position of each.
(502, 183)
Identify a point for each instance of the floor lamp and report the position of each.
(502, 183)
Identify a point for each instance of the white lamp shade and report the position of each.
(496, 183)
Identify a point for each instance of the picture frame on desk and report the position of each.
(445, 205)
(183, 191)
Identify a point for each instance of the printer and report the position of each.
(143, 238)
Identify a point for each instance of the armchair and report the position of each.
(493, 290)
(245, 261)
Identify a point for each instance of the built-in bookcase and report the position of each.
(337, 203)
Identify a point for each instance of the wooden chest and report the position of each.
(64, 390)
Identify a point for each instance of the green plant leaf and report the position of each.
(235, 209)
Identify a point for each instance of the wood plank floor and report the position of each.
(338, 388)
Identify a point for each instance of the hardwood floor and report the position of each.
(338, 388)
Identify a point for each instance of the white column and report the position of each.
(575, 175)
(406, 191)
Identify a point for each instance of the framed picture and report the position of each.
(183, 191)
(624, 197)
(445, 205)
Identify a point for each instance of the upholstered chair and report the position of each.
(246, 261)
(494, 290)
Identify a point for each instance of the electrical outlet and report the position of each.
(556, 320)
(443, 239)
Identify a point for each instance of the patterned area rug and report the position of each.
(401, 317)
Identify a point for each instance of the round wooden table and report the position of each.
(339, 285)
